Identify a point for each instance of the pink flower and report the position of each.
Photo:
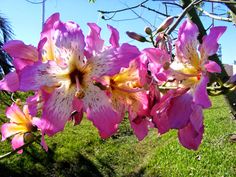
(191, 63)
(25, 55)
(168, 114)
(22, 55)
(67, 82)
(21, 123)
(158, 63)
(127, 94)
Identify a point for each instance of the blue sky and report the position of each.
(26, 20)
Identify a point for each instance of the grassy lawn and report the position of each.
(79, 151)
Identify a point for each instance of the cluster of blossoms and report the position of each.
(71, 74)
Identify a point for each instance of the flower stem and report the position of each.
(19, 148)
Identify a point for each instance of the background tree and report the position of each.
(6, 34)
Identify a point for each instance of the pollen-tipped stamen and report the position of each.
(79, 91)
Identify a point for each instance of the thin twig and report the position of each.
(174, 4)
(214, 16)
(121, 10)
(153, 10)
(185, 11)
(19, 148)
(221, 1)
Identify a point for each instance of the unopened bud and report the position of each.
(28, 137)
(148, 30)
(136, 36)
(18, 102)
(165, 24)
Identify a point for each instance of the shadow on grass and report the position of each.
(44, 164)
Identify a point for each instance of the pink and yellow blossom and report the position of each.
(21, 123)
(191, 64)
(70, 63)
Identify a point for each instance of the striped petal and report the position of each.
(187, 43)
(38, 75)
(110, 61)
(57, 110)
(69, 43)
(100, 112)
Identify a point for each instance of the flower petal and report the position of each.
(161, 122)
(212, 67)
(209, 43)
(114, 39)
(40, 74)
(189, 137)
(47, 41)
(43, 143)
(32, 102)
(9, 129)
(15, 114)
(18, 141)
(176, 116)
(56, 110)
(187, 43)
(196, 117)
(17, 49)
(78, 107)
(99, 110)
(200, 95)
(48, 25)
(110, 61)
(10, 82)
(157, 59)
(68, 44)
(94, 43)
(140, 126)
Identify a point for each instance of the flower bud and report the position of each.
(18, 102)
(136, 36)
(148, 30)
(28, 137)
(165, 24)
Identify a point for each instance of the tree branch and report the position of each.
(185, 11)
(214, 16)
(232, 7)
(221, 1)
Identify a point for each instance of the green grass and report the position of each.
(79, 151)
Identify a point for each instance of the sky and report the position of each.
(26, 20)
